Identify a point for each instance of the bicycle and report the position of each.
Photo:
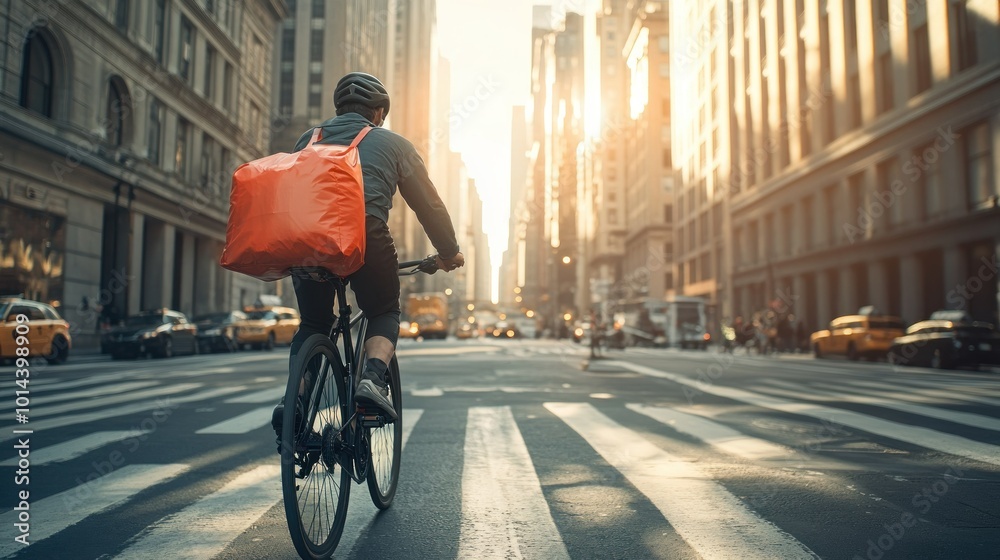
(333, 441)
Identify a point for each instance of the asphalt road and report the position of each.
(513, 450)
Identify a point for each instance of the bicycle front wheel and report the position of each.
(387, 446)
(314, 485)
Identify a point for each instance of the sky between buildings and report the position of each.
(488, 43)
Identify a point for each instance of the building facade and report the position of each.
(120, 126)
(844, 154)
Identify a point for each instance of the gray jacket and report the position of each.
(388, 160)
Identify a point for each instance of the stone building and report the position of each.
(121, 123)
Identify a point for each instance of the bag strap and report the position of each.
(361, 136)
(317, 135)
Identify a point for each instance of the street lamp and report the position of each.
(567, 260)
(529, 314)
(447, 291)
(470, 307)
(568, 317)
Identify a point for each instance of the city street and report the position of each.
(512, 449)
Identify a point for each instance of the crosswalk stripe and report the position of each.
(358, 519)
(242, 424)
(75, 447)
(112, 412)
(110, 389)
(721, 437)
(958, 417)
(923, 437)
(44, 410)
(72, 506)
(271, 394)
(504, 513)
(924, 393)
(204, 528)
(708, 517)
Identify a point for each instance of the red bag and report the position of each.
(305, 209)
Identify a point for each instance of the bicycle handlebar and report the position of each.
(426, 265)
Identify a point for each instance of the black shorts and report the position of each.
(375, 284)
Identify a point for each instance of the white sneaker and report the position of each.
(372, 390)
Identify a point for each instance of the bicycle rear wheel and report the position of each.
(314, 485)
(387, 446)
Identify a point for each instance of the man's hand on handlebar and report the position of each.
(447, 265)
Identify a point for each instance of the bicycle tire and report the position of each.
(387, 446)
(314, 531)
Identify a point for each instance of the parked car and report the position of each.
(857, 336)
(267, 326)
(217, 331)
(47, 333)
(947, 345)
(160, 332)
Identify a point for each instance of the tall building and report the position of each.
(838, 154)
(607, 205)
(121, 124)
(648, 167)
(318, 42)
(513, 257)
(549, 214)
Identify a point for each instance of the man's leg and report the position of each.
(376, 286)
(316, 309)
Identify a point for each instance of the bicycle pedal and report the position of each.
(372, 421)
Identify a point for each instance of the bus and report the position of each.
(429, 311)
(679, 322)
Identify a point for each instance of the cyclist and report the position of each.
(388, 161)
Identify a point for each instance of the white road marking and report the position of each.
(271, 394)
(110, 389)
(107, 402)
(72, 506)
(715, 523)
(75, 447)
(124, 410)
(204, 528)
(504, 512)
(242, 424)
(362, 518)
(432, 392)
(721, 437)
(923, 437)
(922, 394)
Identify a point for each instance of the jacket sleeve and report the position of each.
(418, 191)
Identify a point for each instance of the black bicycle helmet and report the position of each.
(358, 87)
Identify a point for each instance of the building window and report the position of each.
(963, 34)
(181, 151)
(854, 99)
(155, 132)
(118, 111)
(979, 163)
(209, 72)
(612, 217)
(121, 15)
(668, 213)
(210, 7)
(207, 172)
(921, 59)
(160, 30)
(316, 37)
(850, 26)
(887, 92)
(227, 86)
(318, 8)
(38, 75)
(831, 209)
(925, 162)
(185, 49)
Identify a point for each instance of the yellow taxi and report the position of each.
(409, 329)
(47, 333)
(267, 326)
(867, 334)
